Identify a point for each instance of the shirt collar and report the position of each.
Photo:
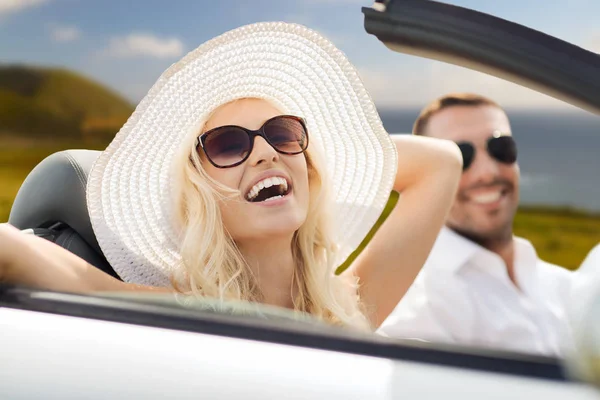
(453, 251)
(526, 261)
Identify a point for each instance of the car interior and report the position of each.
(60, 216)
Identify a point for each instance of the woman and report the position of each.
(220, 185)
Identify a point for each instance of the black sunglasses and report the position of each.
(231, 145)
(500, 147)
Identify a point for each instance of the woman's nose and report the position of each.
(262, 152)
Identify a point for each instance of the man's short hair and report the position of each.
(449, 100)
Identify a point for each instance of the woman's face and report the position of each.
(249, 220)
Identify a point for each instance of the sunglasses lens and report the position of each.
(468, 153)
(287, 135)
(503, 149)
(226, 146)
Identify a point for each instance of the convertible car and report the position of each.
(67, 346)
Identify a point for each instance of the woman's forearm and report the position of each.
(32, 261)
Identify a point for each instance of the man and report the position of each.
(481, 286)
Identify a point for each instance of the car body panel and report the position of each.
(65, 357)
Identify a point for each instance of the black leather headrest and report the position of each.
(54, 192)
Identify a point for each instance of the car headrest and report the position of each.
(54, 192)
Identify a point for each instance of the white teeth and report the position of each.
(274, 198)
(267, 183)
(487, 198)
(283, 183)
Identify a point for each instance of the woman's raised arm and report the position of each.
(427, 179)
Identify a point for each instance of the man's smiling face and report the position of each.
(488, 195)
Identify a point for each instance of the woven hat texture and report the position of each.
(129, 194)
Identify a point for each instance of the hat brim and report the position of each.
(129, 195)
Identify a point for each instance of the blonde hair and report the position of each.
(213, 265)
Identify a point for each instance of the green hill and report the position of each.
(57, 103)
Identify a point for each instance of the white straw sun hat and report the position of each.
(129, 195)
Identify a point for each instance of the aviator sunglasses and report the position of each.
(231, 145)
(501, 147)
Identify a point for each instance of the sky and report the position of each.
(128, 44)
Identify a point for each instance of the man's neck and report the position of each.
(506, 251)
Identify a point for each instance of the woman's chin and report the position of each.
(266, 228)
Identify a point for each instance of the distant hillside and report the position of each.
(57, 103)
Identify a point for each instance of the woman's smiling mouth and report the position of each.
(268, 189)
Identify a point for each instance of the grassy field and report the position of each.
(561, 236)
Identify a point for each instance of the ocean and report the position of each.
(558, 155)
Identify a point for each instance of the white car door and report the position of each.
(64, 346)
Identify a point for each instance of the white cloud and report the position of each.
(143, 45)
(416, 85)
(61, 33)
(11, 6)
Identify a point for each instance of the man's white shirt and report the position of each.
(464, 295)
(585, 288)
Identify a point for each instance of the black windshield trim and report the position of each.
(476, 40)
(281, 332)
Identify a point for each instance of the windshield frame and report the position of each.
(486, 43)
